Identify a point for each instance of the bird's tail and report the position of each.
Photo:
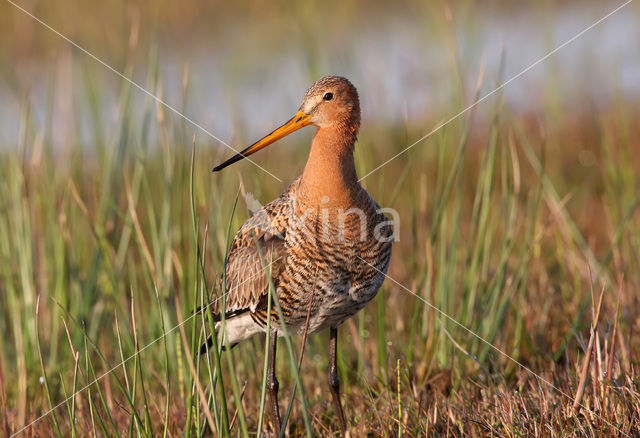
(238, 327)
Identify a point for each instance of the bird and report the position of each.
(325, 242)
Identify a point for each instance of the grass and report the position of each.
(516, 227)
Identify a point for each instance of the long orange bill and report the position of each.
(300, 120)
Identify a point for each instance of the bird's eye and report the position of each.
(328, 96)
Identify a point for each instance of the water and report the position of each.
(246, 84)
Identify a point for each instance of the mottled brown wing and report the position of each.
(247, 281)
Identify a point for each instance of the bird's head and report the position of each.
(330, 102)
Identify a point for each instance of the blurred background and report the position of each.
(250, 64)
(513, 217)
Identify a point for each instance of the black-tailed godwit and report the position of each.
(324, 239)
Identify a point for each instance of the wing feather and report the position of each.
(246, 280)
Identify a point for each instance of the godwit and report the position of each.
(325, 239)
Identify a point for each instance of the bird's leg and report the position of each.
(334, 381)
(272, 382)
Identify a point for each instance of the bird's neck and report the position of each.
(330, 177)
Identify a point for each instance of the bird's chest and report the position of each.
(331, 239)
(336, 250)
